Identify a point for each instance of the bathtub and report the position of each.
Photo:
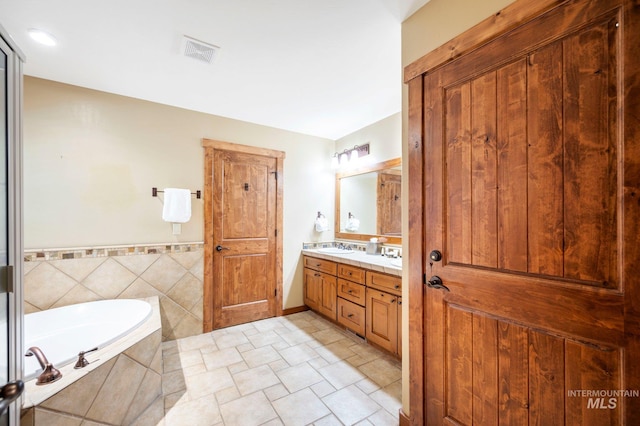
(61, 333)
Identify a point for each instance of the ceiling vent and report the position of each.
(199, 50)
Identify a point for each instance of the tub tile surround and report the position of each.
(172, 272)
(121, 385)
(294, 370)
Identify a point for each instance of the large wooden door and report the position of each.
(530, 175)
(243, 255)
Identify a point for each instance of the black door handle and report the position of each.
(436, 282)
(220, 248)
(9, 393)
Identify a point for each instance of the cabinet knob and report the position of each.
(397, 286)
(350, 315)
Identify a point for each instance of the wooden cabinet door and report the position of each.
(312, 288)
(390, 203)
(329, 297)
(399, 326)
(531, 171)
(382, 319)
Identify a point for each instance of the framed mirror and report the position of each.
(369, 202)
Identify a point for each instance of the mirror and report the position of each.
(368, 202)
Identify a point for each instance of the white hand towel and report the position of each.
(177, 205)
(353, 224)
(322, 224)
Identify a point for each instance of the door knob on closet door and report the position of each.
(220, 248)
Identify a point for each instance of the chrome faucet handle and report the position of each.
(82, 361)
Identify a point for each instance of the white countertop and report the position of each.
(359, 258)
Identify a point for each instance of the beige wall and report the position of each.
(91, 159)
(433, 25)
(384, 137)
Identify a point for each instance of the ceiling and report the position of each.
(319, 67)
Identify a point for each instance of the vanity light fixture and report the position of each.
(42, 37)
(349, 157)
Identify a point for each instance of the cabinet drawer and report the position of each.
(390, 283)
(320, 265)
(351, 291)
(351, 273)
(351, 316)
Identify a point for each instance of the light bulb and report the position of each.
(344, 159)
(354, 157)
(335, 163)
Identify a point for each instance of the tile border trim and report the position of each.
(34, 255)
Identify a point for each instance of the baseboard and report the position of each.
(404, 419)
(294, 310)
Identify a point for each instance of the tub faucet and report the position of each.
(49, 374)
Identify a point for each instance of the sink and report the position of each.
(396, 262)
(335, 250)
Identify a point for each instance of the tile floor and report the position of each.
(293, 370)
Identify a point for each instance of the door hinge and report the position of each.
(6, 279)
(276, 292)
(276, 232)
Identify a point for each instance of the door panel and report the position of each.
(329, 297)
(522, 166)
(5, 271)
(10, 231)
(504, 373)
(243, 280)
(245, 198)
(244, 235)
(382, 319)
(389, 204)
(312, 288)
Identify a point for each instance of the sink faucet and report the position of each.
(49, 374)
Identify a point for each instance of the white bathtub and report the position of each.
(63, 332)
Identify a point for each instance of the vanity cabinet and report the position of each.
(364, 301)
(320, 286)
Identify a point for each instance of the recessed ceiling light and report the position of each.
(42, 37)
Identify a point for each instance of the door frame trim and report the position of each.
(210, 146)
(509, 18)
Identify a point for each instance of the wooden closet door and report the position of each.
(530, 196)
(243, 248)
